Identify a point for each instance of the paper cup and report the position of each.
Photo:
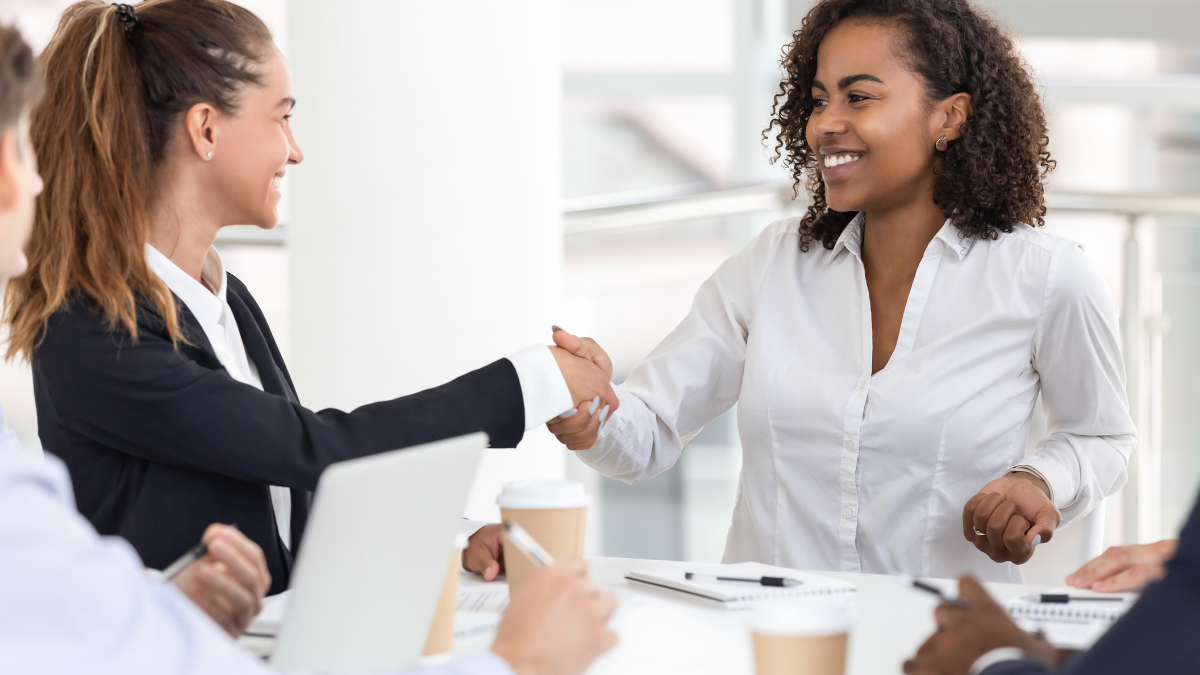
(441, 631)
(554, 513)
(797, 637)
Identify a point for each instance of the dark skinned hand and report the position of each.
(964, 635)
(1010, 512)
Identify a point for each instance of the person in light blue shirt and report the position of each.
(72, 601)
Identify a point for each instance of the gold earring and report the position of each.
(941, 144)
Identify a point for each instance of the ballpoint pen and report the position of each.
(526, 544)
(762, 581)
(905, 580)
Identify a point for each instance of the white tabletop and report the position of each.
(661, 633)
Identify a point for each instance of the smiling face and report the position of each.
(873, 128)
(254, 147)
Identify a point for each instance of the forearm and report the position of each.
(1081, 471)
(161, 408)
(634, 445)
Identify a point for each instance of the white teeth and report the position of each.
(838, 160)
(276, 182)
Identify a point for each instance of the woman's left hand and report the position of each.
(230, 581)
(1010, 512)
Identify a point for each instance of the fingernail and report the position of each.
(1036, 540)
(595, 404)
(555, 329)
(604, 415)
(569, 413)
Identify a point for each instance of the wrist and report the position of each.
(1031, 478)
(512, 656)
(1165, 549)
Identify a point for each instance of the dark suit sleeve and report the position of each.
(153, 402)
(1161, 634)
(1017, 667)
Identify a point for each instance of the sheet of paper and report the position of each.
(269, 620)
(1066, 635)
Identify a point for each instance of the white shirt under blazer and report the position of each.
(845, 470)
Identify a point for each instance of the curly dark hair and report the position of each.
(991, 177)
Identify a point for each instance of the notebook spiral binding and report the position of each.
(1067, 612)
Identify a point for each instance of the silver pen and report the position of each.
(526, 544)
(905, 580)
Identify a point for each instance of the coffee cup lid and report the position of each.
(803, 617)
(543, 494)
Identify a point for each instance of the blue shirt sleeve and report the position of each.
(72, 601)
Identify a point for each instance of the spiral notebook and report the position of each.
(734, 595)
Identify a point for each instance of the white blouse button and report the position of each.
(847, 513)
(850, 446)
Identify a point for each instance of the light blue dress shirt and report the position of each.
(72, 601)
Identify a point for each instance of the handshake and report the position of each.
(588, 372)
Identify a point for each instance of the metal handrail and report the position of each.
(628, 217)
(733, 201)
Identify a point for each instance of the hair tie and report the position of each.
(127, 16)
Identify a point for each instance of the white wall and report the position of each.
(424, 227)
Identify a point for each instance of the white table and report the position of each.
(662, 633)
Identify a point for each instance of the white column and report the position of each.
(424, 225)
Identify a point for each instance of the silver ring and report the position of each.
(981, 534)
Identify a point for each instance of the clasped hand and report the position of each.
(588, 372)
(1008, 514)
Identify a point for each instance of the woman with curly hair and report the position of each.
(886, 349)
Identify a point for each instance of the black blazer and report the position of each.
(1159, 635)
(161, 441)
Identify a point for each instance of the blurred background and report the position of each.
(498, 167)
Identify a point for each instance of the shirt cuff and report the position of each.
(543, 387)
(995, 656)
(1022, 468)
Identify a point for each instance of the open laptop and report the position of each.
(374, 555)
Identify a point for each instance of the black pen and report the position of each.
(1063, 598)
(187, 560)
(762, 581)
(905, 580)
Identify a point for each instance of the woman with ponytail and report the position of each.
(156, 376)
(886, 348)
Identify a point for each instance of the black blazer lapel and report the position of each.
(262, 351)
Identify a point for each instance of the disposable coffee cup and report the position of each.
(553, 512)
(801, 637)
(441, 631)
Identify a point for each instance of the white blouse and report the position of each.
(845, 470)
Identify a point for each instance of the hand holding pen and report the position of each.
(225, 576)
(965, 634)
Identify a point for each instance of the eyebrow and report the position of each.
(849, 80)
(288, 101)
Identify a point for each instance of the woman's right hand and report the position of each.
(1124, 568)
